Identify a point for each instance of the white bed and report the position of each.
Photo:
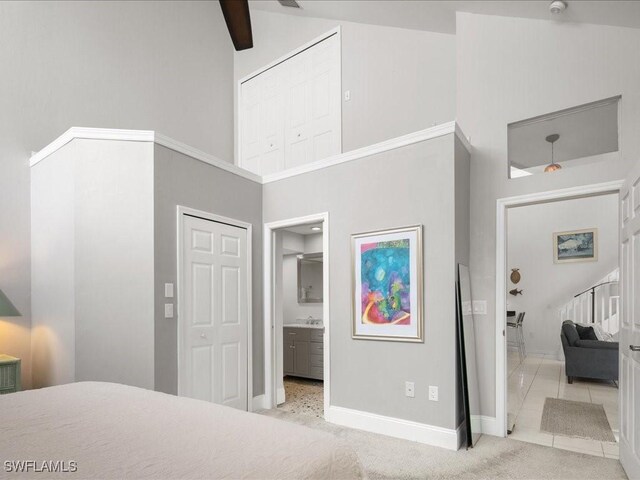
(116, 431)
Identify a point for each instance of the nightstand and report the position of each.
(9, 374)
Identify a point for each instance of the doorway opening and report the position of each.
(296, 293)
(558, 319)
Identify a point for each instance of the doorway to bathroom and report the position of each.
(297, 290)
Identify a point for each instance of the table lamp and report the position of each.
(6, 307)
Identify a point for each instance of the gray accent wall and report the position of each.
(400, 80)
(510, 69)
(182, 180)
(153, 65)
(407, 186)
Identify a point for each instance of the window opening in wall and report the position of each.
(564, 139)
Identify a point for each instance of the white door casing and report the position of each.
(629, 391)
(269, 305)
(289, 112)
(214, 306)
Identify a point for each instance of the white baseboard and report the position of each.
(395, 427)
(489, 426)
(258, 402)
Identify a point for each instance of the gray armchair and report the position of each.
(588, 358)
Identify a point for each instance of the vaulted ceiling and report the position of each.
(439, 16)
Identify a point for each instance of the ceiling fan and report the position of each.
(236, 15)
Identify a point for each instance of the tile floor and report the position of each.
(303, 396)
(539, 377)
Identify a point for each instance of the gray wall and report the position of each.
(92, 264)
(376, 193)
(113, 210)
(400, 80)
(510, 69)
(545, 284)
(182, 180)
(52, 271)
(164, 66)
(462, 240)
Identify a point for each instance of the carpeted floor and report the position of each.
(492, 457)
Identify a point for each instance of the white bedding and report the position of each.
(115, 431)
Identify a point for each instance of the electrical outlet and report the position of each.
(409, 389)
(433, 393)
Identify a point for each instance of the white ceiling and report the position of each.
(583, 133)
(439, 16)
(304, 229)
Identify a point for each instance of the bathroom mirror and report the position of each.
(310, 278)
(468, 360)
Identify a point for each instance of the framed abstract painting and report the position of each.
(387, 285)
(575, 246)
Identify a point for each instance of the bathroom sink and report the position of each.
(306, 323)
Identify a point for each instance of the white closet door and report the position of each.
(325, 100)
(214, 365)
(290, 114)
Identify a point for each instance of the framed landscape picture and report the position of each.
(387, 285)
(576, 246)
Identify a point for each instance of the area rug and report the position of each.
(576, 419)
(303, 396)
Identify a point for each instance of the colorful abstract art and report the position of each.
(576, 246)
(387, 285)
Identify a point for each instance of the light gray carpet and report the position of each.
(491, 458)
(576, 419)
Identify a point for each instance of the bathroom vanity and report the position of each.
(303, 351)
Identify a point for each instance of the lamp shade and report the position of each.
(6, 307)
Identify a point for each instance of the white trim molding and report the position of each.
(258, 403)
(394, 427)
(502, 204)
(162, 140)
(334, 31)
(139, 136)
(376, 148)
(489, 426)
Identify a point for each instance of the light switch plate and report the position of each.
(479, 307)
(409, 389)
(168, 290)
(168, 310)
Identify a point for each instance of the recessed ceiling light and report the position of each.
(315, 228)
(557, 6)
